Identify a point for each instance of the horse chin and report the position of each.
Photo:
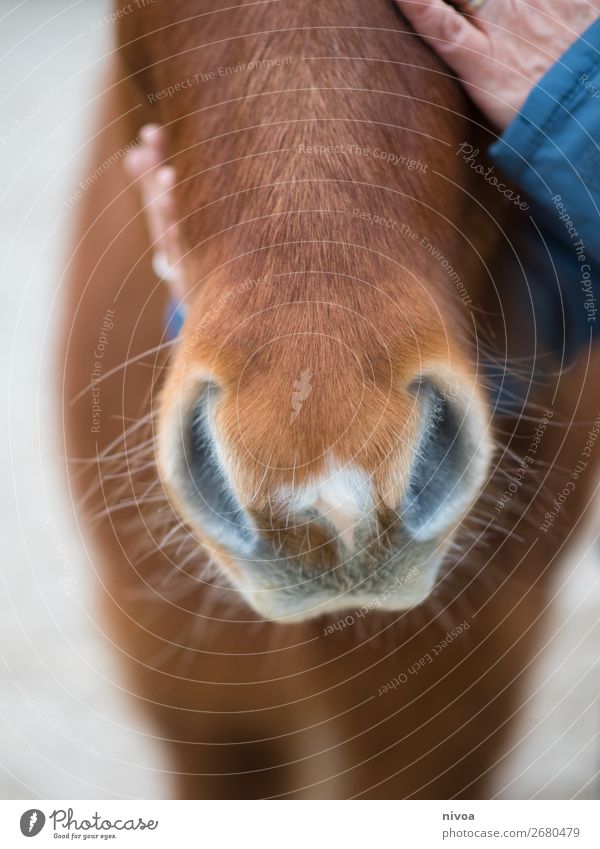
(402, 583)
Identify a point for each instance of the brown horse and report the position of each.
(320, 533)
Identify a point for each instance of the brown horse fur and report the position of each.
(290, 270)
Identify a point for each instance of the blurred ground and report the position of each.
(67, 729)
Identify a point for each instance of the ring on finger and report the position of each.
(469, 6)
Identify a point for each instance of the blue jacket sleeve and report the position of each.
(551, 151)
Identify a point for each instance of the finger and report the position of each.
(165, 221)
(153, 135)
(164, 206)
(145, 166)
(452, 35)
(148, 154)
(160, 211)
(134, 161)
(157, 205)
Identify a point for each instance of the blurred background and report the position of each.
(67, 728)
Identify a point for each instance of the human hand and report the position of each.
(145, 164)
(502, 49)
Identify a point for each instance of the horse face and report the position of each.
(321, 426)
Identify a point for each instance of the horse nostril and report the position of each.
(207, 485)
(449, 465)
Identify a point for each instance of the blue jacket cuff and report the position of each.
(569, 91)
